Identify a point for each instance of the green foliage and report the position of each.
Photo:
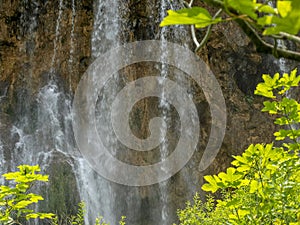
(196, 15)
(122, 221)
(201, 213)
(270, 20)
(79, 218)
(16, 200)
(262, 186)
(285, 19)
(277, 85)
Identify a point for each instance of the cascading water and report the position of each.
(72, 46)
(42, 127)
(95, 191)
(165, 107)
(141, 205)
(50, 131)
(41, 136)
(42, 132)
(57, 34)
(284, 67)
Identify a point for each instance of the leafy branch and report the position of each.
(16, 200)
(257, 20)
(262, 186)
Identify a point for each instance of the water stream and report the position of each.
(72, 44)
(165, 107)
(43, 127)
(57, 35)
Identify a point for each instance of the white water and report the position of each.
(46, 130)
(165, 107)
(95, 191)
(51, 131)
(72, 45)
(57, 35)
(106, 26)
(141, 205)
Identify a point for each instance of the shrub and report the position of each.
(16, 200)
(262, 186)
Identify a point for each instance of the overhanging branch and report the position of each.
(264, 47)
(261, 45)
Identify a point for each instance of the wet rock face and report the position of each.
(29, 32)
(43, 40)
(61, 192)
(39, 41)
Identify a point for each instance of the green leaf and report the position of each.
(211, 185)
(284, 7)
(242, 212)
(264, 90)
(265, 20)
(22, 204)
(46, 215)
(32, 216)
(266, 9)
(247, 7)
(240, 159)
(288, 21)
(195, 15)
(270, 107)
(231, 176)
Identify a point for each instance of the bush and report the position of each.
(262, 186)
(16, 200)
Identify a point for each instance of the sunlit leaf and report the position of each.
(195, 15)
(211, 185)
(266, 9)
(247, 7)
(265, 20)
(284, 7)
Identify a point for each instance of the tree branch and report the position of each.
(290, 37)
(264, 47)
(208, 32)
(261, 45)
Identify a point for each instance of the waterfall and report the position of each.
(282, 62)
(284, 67)
(50, 133)
(57, 34)
(72, 47)
(165, 107)
(42, 131)
(145, 205)
(38, 130)
(95, 191)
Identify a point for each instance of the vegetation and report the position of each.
(16, 200)
(264, 23)
(263, 185)
(79, 218)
